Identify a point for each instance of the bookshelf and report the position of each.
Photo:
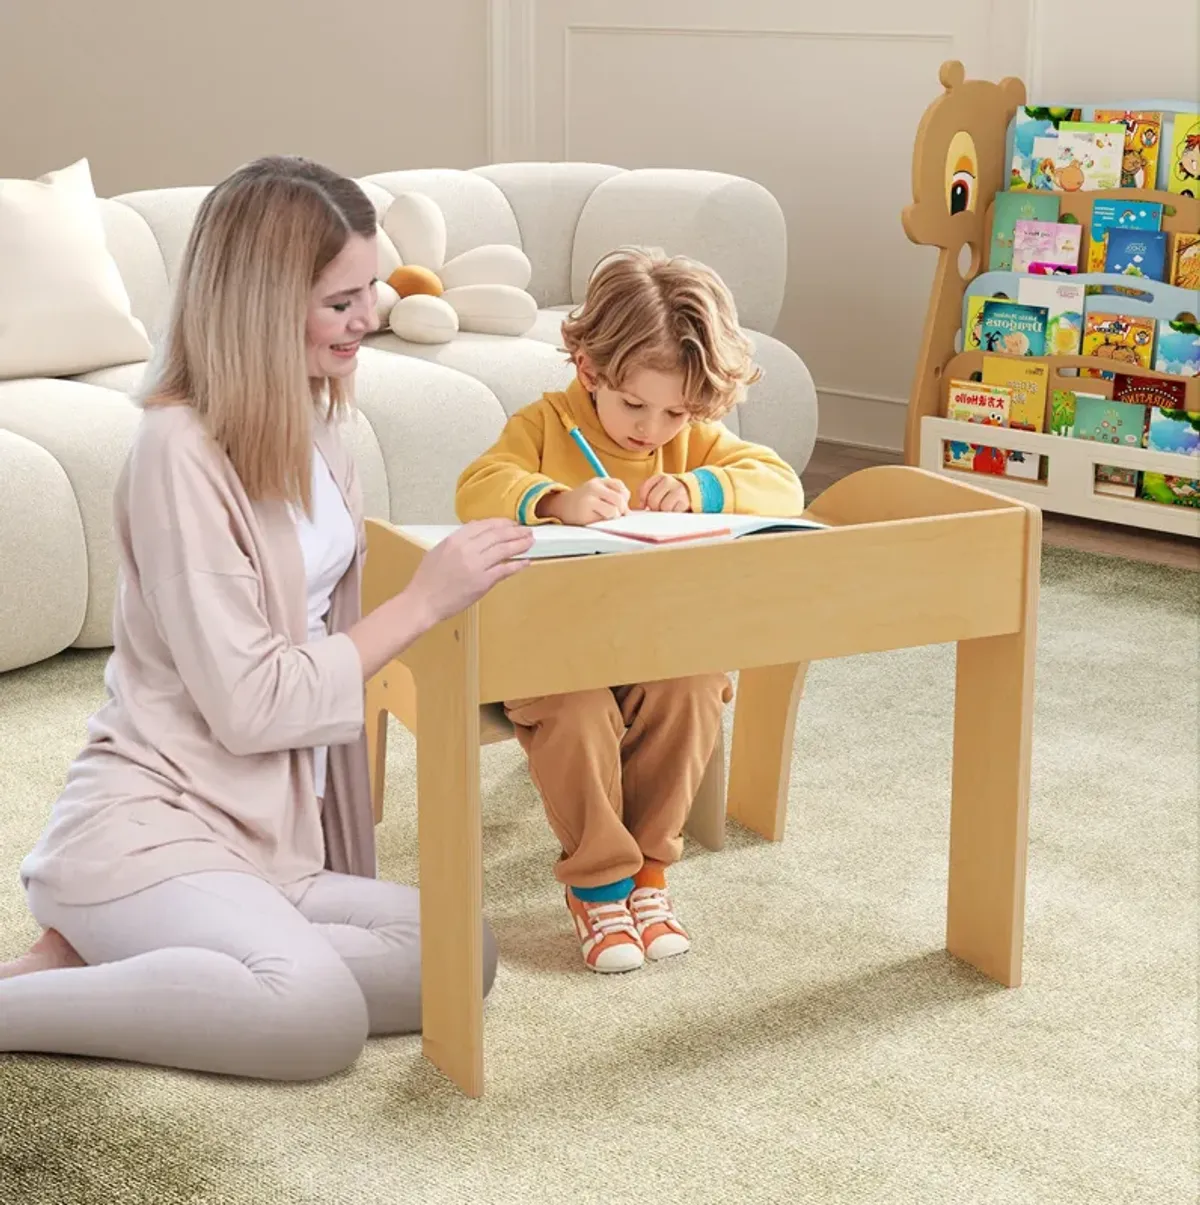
(967, 126)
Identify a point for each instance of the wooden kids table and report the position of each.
(913, 559)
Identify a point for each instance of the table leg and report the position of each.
(764, 727)
(449, 836)
(989, 810)
(375, 726)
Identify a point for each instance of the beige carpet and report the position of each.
(816, 1046)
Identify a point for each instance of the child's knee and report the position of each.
(702, 692)
(584, 710)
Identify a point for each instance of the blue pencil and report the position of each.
(586, 448)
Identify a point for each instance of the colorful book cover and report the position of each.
(1149, 391)
(1137, 253)
(1045, 153)
(1010, 208)
(1117, 337)
(1063, 300)
(1027, 382)
(1178, 491)
(1183, 172)
(1120, 423)
(973, 328)
(1185, 261)
(1088, 157)
(1014, 329)
(972, 402)
(1032, 122)
(1105, 421)
(1120, 215)
(1178, 350)
(1062, 412)
(1143, 133)
(1175, 431)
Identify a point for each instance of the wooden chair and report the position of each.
(393, 690)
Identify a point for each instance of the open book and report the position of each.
(638, 531)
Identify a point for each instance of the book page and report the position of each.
(662, 527)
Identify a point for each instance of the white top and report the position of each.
(327, 542)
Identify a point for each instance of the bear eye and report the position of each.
(962, 172)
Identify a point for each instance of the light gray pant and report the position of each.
(222, 972)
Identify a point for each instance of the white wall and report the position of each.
(819, 103)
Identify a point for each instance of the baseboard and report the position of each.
(861, 422)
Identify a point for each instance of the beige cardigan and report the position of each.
(201, 758)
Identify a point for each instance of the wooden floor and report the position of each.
(832, 461)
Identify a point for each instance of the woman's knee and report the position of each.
(319, 1024)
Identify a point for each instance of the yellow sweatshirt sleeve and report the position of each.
(727, 474)
(506, 481)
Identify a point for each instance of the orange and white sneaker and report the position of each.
(608, 937)
(658, 928)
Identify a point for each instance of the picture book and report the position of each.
(1117, 337)
(1027, 381)
(1149, 391)
(1046, 247)
(1143, 133)
(1120, 215)
(1120, 423)
(1088, 156)
(1062, 410)
(1014, 329)
(1179, 491)
(1137, 253)
(1185, 261)
(1030, 123)
(1010, 208)
(973, 327)
(1063, 300)
(1178, 347)
(1045, 152)
(1109, 422)
(638, 531)
(1183, 171)
(1175, 431)
(972, 402)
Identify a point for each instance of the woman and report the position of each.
(206, 883)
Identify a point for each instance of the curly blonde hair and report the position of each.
(644, 309)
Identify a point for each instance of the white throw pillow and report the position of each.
(63, 306)
(423, 319)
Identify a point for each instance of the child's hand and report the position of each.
(664, 493)
(600, 498)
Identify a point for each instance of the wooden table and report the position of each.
(913, 559)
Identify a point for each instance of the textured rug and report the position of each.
(816, 1046)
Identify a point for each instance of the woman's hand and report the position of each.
(465, 566)
(453, 574)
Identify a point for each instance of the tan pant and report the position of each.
(618, 769)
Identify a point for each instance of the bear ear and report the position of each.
(1013, 90)
(951, 74)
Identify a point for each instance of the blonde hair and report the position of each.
(644, 309)
(235, 346)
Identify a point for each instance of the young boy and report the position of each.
(659, 360)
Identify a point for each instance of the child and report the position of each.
(659, 360)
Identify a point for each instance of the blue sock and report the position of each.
(609, 891)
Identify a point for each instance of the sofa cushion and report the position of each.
(429, 423)
(125, 378)
(63, 305)
(733, 225)
(516, 370)
(170, 213)
(475, 210)
(547, 199)
(88, 431)
(44, 586)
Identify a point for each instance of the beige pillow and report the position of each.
(63, 306)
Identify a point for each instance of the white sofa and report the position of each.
(423, 411)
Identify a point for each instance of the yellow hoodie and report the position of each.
(535, 454)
